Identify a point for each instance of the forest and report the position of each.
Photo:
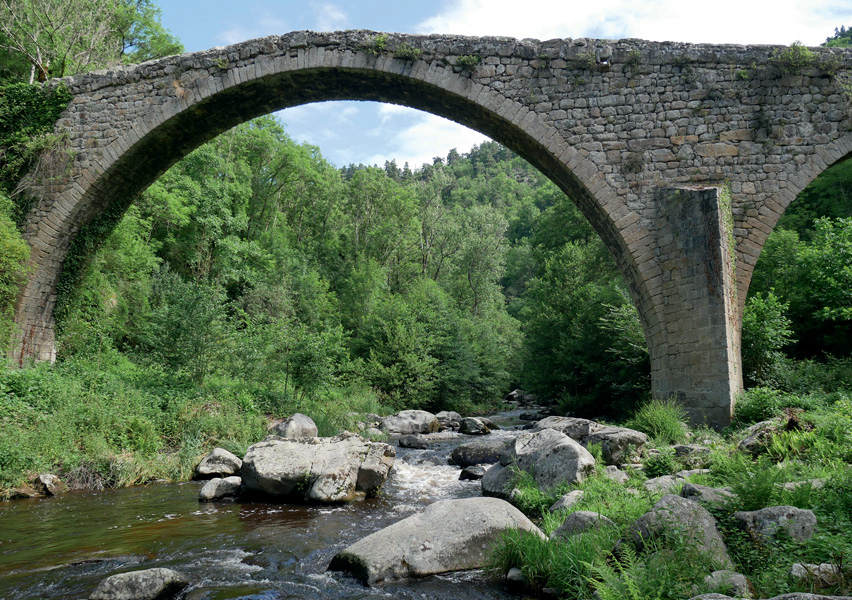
(256, 279)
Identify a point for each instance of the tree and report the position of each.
(842, 37)
(62, 37)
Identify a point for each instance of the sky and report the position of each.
(372, 133)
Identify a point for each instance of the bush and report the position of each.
(661, 463)
(758, 404)
(663, 420)
(766, 329)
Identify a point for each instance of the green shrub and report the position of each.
(468, 61)
(766, 330)
(661, 463)
(758, 404)
(663, 420)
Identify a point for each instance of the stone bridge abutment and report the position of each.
(681, 157)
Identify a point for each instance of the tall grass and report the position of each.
(662, 419)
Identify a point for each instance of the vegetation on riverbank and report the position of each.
(810, 445)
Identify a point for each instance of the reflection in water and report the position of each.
(62, 547)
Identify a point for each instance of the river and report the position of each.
(62, 547)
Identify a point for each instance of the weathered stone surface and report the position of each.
(673, 515)
(449, 535)
(618, 444)
(728, 581)
(663, 483)
(411, 421)
(552, 458)
(49, 485)
(472, 474)
(580, 521)
(765, 523)
(449, 419)
(296, 426)
(575, 428)
(567, 501)
(339, 469)
(613, 472)
(220, 488)
(705, 494)
(819, 576)
(150, 584)
(218, 463)
(479, 452)
(473, 426)
(758, 435)
(413, 440)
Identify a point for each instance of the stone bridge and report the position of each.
(682, 157)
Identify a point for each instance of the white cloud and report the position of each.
(723, 21)
(329, 16)
(424, 137)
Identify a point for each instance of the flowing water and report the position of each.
(62, 547)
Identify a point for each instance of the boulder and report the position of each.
(410, 421)
(479, 452)
(220, 489)
(372, 433)
(449, 535)
(49, 485)
(618, 444)
(471, 474)
(712, 597)
(323, 470)
(489, 423)
(550, 456)
(816, 484)
(613, 472)
(705, 494)
(819, 576)
(663, 483)
(567, 501)
(414, 440)
(758, 435)
(579, 522)
(218, 463)
(150, 584)
(296, 427)
(730, 581)
(575, 428)
(449, 419)
(473, 426)
(765, 523)
(692, 454)
(673, 515)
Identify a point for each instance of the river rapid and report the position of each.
(62, 547)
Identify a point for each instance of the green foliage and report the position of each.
(27, 117)
(758, 404)
(407, 52)
(14, 253)
(794, 60)
(663, 462)
(376, 45)
(467, 62)
(662, 419)
(842, 37)
(766, 330)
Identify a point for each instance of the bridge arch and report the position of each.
(682, 157)
(209, 106)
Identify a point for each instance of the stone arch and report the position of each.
(749, 248)
(64, 228)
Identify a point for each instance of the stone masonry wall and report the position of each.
(611, 122)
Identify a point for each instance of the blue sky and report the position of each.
(370, 133)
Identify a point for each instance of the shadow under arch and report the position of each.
(198, 114)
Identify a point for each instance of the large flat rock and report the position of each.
(450, 535)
